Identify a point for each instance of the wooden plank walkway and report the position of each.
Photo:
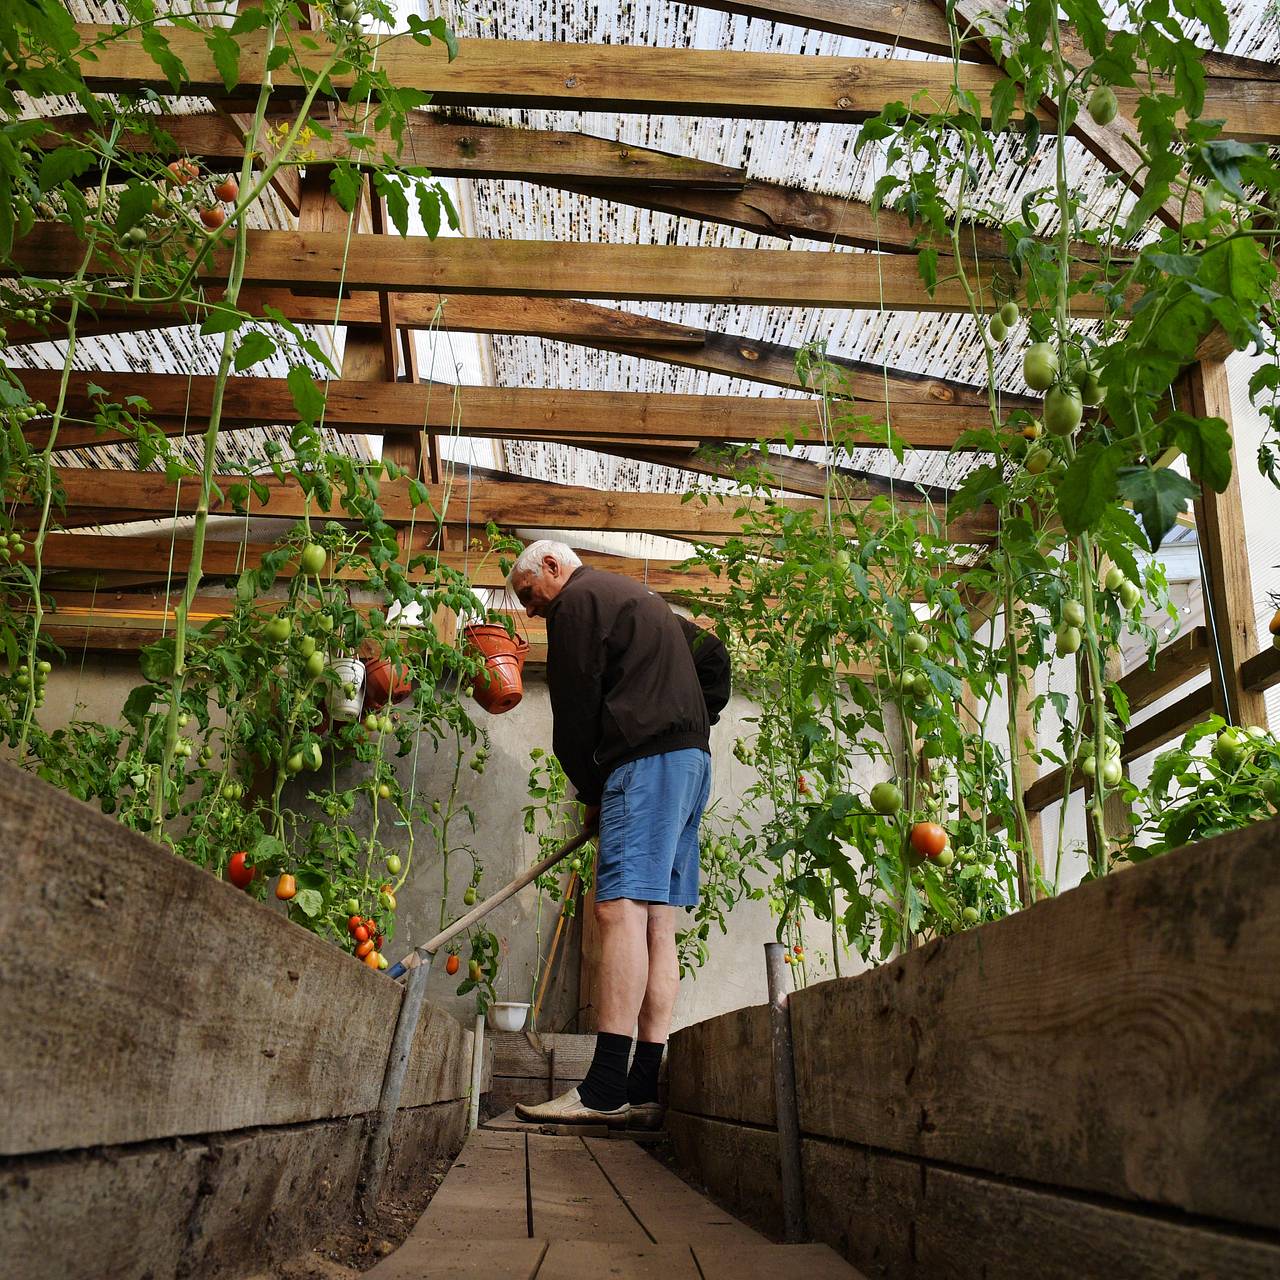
(535, 1206)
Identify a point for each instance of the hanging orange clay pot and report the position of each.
(383, 681)
(501, 685)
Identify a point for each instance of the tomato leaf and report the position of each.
(1159, 495)
(225, 51)
(308, 399)
(254, 346)
(309, 901)
(1089, 486)
(1207, 444)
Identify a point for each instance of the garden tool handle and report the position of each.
(481, 909)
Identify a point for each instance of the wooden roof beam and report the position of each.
(147, 494)
(649, 419)
(630, 78)
(552, 269)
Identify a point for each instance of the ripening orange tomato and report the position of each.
(286, 888)
(928, 839)
(451, 965)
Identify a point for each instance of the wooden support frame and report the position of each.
(549, 269)
(645, 419)
(104, 496)
(688, 82)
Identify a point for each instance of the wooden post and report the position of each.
(1228, 585)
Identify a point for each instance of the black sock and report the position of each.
(642, 1083)
(605, 1088)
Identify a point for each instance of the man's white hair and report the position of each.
(530, 559)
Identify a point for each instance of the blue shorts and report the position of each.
(649, 816)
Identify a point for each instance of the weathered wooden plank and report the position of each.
(1228, 583)
(482, 1197)
(669, 1210)
(631, 78)
(526, 505)
(721, 1067)
(902, 1219)
(329, 260)
(1174, 964)
(294, 1030)
(813, 1261)
(475, 1259)
(590, 1259)
(1262, 671)
(644, 418)
(440, 1066)
(470, 150)
(571, 1197)
(514, 1055)
(1176, 663)
(421, 1136)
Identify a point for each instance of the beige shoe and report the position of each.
(569, 1108)
(646, 1115)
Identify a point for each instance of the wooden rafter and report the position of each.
(648, 418)
(921, 25)
(689, 82)
(539, 268)
(104, 495)
(470, 150)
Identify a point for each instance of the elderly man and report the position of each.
(634, 691)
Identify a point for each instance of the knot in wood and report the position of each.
(571, 82)
(748, 354)
(844, 103)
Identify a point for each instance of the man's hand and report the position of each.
(591, 819)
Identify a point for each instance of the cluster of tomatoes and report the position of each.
(795, 955)
(368, 941)
(227, 191)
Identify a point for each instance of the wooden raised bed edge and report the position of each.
(1121, 1041)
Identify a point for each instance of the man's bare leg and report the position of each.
(624, 964)
(664, 975)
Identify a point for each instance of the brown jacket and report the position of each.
(622, 678)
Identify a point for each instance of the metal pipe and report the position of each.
(784, 1093)
(378, 1148)
(477, 1074)
(482, 909)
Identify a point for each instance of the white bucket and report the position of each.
(344, 705)
(507, 1015)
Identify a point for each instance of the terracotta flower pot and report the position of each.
(385, 682)
(501, 685)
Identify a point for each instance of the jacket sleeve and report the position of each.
(575, 678)
(711, 662)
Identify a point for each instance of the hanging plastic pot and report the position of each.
(500, 686)
(385, 682)
(346, 695)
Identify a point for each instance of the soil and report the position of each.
(357, 1246)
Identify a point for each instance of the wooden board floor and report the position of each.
(534, 1206)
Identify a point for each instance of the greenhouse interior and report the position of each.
(640, 642)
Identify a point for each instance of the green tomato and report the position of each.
(315, 665)
(312, 559)
(351, 907)
(1115, 579)
(307, 646)
(1112, 771)
(393, 864)
(1038, 461)
(1229, 749)
(842, 558)
(998, 329)
(278, 629)
(915, 642)
(575, 864)
(1089, 765)
(945, 858)
(1103, 105)
(1040, 366)
(1073, 613)
(969, 915)
(311, 755)
(435, 806)
(1063, 410)
(1009, 314)
(469, 897)
(1068, 640)
(1085, 376)
(384, 791)
(1270, 788)
(371, 722)
(384, 723)
(294, 763)
(1129, 594)
(44, 667)
(886, 798)
(324, 623)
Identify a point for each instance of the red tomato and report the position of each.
(360, 933)
(803, 784)
(227, 190)
(928, 839)
(286, 888)
(353, 924)
(213, 218)
(184, 171)
(364, 948)
(451, 965)
(239, 872)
